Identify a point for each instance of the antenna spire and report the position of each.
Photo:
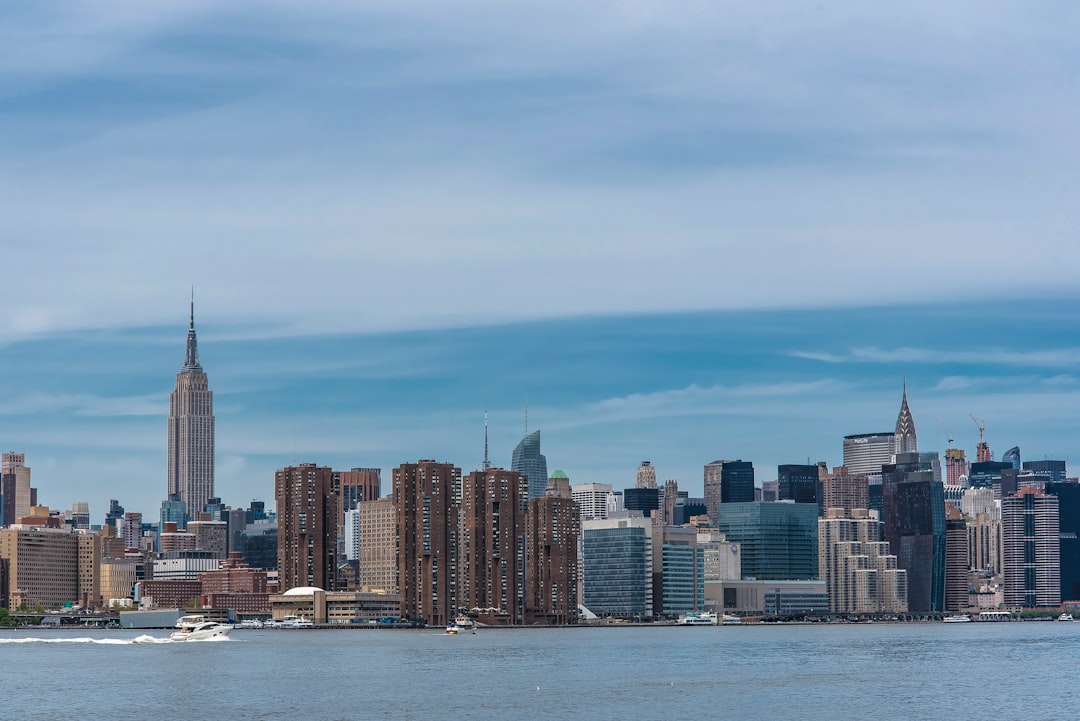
(191, 357)
(487, 463)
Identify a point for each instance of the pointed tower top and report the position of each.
(191, 358)
(906, 440)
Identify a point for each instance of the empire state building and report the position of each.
(191, 432)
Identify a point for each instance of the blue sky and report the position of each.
(686, 230)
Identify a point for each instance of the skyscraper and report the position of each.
(531, 463)
(359, 484)
(727, 482)
(191, 432)
(491, 547)
(778, 540)
(646, 475)
(552, 534)
(427, 527)
(858, 569)
(866, 453)
(957, 560)
(1030, 529)
(799, 483)
(844, 489)
(914, 515)
(307, 515)
(18, 495)
(905, 439)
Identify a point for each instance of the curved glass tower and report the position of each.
(530, 462)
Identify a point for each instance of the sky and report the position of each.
(683, 230)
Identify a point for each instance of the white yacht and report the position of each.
(199, 628)
(698, 619)
(295, 622)
(957, 618)
(730, 620)
(1065, 617)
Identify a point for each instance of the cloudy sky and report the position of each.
(685, 230)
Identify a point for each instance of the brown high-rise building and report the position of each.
(552, 531)
(843, 489)
(427, 517)
(956, 560)
(307, 513)
(491, 567)
(956, 465)
(357, 485)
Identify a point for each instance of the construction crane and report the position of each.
(982, 452)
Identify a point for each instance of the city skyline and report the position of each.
(763, 405)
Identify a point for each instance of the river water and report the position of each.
(998, 671)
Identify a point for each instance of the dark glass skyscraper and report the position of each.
(914, 514)
(1068, 495)
(531, 463)
(728, 482)
(798, 483)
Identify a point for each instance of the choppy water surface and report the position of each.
(960, 671)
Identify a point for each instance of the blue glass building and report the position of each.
(531, 463)
(617, 567)
(778, 540)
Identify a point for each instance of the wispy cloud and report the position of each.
(84, 405)
(1060, 357)
(696, 400)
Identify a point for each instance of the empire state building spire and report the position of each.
(191, 431)
(906, 440)
(191, 360)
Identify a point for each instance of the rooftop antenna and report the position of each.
(487, 463)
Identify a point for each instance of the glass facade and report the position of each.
(683, 578)
(617, 571)
(914, 515)
(778, 540)
(531, 463)
(798, 483)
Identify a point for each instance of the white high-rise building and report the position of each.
(591, 499)
(352, 535)
(191, 432)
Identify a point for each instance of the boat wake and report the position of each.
(144, 639)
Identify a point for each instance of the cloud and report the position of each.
(38, 404)
(1061, 357)
(751, 398)
(550, 154)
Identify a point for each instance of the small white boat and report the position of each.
(294, 622)
(957, 618)
(730, 620)
(464, 623)
(698, 619)
(1065, 617)
(198, 628)
(249, 623)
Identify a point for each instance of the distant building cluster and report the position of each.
(887, 533)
